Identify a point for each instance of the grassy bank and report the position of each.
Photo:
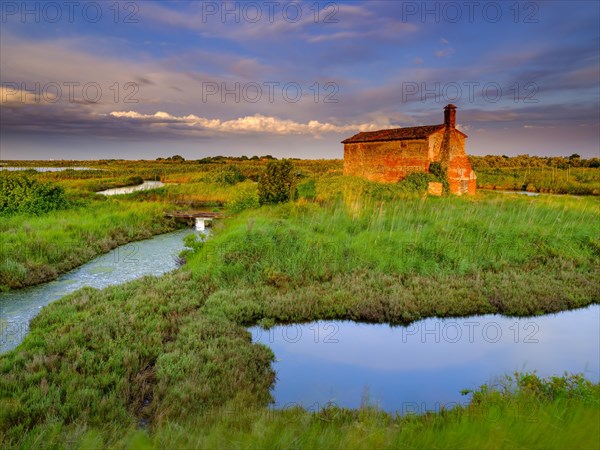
(397, 261)
(501, 418)
(34, 249)
(574, 180)
(178, 353)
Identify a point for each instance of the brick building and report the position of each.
(387, 156)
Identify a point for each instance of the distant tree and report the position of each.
(176, 158)
(277, 184)
(575, 160)
(593, 162)
(254, 158)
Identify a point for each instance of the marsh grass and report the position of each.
(172, 354)
(574, 180)
(34, 249)
(196, 193)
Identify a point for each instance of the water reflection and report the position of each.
(146, 185)
(427, 363)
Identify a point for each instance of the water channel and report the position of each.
(154, 256)
(146, 185)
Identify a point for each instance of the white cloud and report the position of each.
(257, 123)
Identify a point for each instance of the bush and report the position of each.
(231, 175)
(134, 181)
(277, 183)
(21, 194)
(417, 182)
(438, 171)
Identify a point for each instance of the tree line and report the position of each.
(526, 161)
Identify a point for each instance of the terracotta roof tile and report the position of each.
(394, 134)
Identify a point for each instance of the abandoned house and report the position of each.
(390, 155)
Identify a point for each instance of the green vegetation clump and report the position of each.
(441, 175)
(301, 261)
(22, 194)
(278, 183)
(417, 182)
(231, 175)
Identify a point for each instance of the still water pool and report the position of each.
(420, 367)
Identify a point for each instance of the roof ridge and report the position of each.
(394, 134)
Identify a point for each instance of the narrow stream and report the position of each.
(420, 367)
(145, 186)
(154, 256)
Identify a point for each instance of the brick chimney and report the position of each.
(450, 116)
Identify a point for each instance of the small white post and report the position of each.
(199, 224)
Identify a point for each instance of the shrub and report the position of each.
(438, 171)
(417, 182)
(231, 175)
(277, 183)
(22, 194)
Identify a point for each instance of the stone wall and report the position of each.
(461, 177)
(435, 145)
(386, 162)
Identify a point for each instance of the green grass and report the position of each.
(495, 419)
(574, 180)
(392, 261)
(174, 351)
(34, 249)
(196, 194)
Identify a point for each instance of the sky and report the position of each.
(147, 79)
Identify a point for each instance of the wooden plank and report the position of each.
(193, 214)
